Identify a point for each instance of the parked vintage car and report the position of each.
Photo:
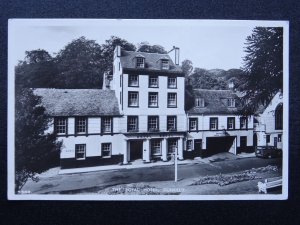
(267, 151)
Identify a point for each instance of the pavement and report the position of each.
(140, 164)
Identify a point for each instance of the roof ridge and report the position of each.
(147, 52)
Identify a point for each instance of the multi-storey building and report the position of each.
(268, 126)
(214, 124)
(139, 114)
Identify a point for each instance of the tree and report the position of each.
(79, 65)
(146, 47)
(38, 70)
(263, 66)
(187, 68)
(35, 150)
(108, 51)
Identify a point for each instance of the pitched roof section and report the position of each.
(79, 102)
(152, 62)
(215, 102)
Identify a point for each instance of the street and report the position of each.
(88, 182)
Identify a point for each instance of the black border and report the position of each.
(173, 212)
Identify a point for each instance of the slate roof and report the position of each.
(152, 61)
(79, 102)
(215, 102)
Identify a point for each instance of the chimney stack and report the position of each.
(117, 51)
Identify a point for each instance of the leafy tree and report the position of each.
(79, 65)
(187, 68)
(108, 51)
(146, 47)
(36, 71)
(35, 150)
(263, 66)
(201, 78)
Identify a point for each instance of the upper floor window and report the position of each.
(172, 100)
(230, 123)
(172, 82)
(153, 123)
(243, 123)
(81, 125)
(133, 80)
(60, 125)
(106, 150)
(153, 81)
(133, 99)
(171, 123)
(106, 126)
(213, 123)
(140, 62)
(278, 117)
(155, 147)
(193, 124)
(165, 64)
(153, 99)
(231, 102)
(132, 124)
(80, 151)
(199, 102)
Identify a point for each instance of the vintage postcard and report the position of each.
(117, 109)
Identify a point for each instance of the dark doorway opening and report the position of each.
(215, 145)
(136, 150)
(198, 147)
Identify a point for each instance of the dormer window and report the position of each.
(231, 102)
(140, 62)
(199, 102)
(164, 64)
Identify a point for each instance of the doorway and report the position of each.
(136, 150)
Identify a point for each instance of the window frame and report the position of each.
(199, 102)
(103, 130)
(187, 145)
(152, 142)
(268, 138)
(77, 119)
(110, 149)
(129, 99)
(138, 64)
(211, 119)
(231, 102)
(174, 128)
(153, 94)
(231, 118)
(84, 151)
(169, 145)
(278, 117)
(196, 124)
(149, 81)
(130, 84)
(165, 64)
(58, 126)
(157, 124)
(246, 123)
(171, 86)
(168, 100)
(128, 123)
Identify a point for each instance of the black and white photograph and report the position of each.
(147, 109)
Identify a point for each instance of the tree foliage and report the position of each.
(187, 67)
(146, 47)
(263, 65)
(79, 65)
(35, 150)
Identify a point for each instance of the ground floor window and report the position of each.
(156, 147)
(189, 145)
(106, 150)
(80, 151)
(172, 145)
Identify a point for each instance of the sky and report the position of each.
(209, 44)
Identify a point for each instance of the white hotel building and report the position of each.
(140, 115)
